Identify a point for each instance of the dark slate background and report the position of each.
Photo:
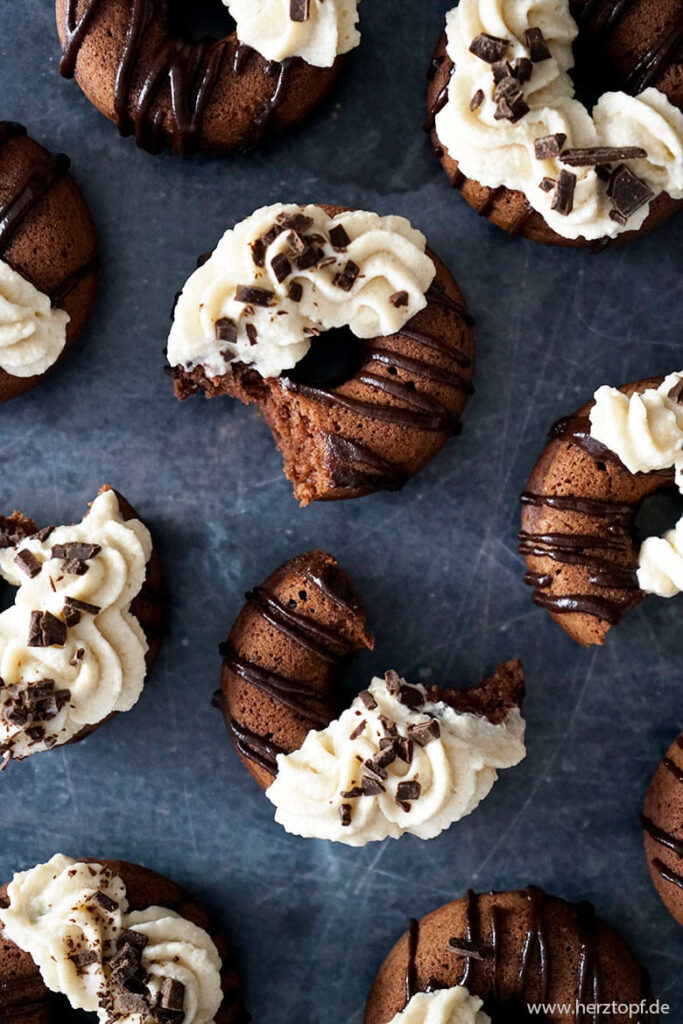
(437, 563)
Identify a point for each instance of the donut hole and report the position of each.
(200, 20)
(658, 513)
(334, 357)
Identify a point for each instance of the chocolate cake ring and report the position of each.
(148, 606)
(286, 655)
(514, 950)
(640, 43)
(211, 95)
(377, 429)
(46, 235)
(662, 821)
(24, 998)
(578, 537)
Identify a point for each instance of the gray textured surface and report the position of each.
(437, 563)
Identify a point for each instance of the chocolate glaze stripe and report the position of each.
(668, 874)
(72, 280)
(662, 837)
(284, 691)
(535, 938)
(495, 926)
(411, 986)
(559, 542)
(283, 70)
(568, 549)
(671, 766)
(610, 610)
(616, 10)
(438, 344)
(427, 370)
(387, 413)
(344, 457)
(521, 219)
(437, 105)
(589, 964)
(652, 63)
(435, 293)
(254, 747)
(424, 404)
(602, 507)
(28, 194)
(538, 579)
(486, 205)
(471, 932)
(319, 640)
(332, 584)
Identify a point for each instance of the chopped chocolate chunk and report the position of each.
(399, 299)
(295, 291)
(46, 631)
(28, 563)
(37, 691)
(352, 794)
(522, 68)
(171, 995)
(35, 733)
(464, 947)
(367, 699)
(338, 237)
(601, 155)
(358, 731)
(75, 549)
(409, 790)
(297, 243)
(130, 938)
(393, 681)
(410, 696)
(404, 749)
(252, 334)
(371, 786)
(347, 278)
(619, 217)
(627, 192)
(251, 296)
(82, 957)
(548, 146)
(327, 261)
(511, 105)
(676, 393)
(501, 69)
(489, 48)
(226, 330)
(294, 221)
(282, 268)
(345, 814)
(73, 608)
(374, 769)
(258, 252)
(75, 567)
(603, 171)
(309, 257)
(389, 727)
(385, 757)
(547, 184)
(79, 654)
(563, 197)
(104, 901)
(424, 732)
(477, 100)
(43, 534)
(536, 45)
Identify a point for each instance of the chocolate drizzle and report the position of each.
(352, 465)
(278, 687)
(190, 71)
(256, 748)
(654, 61)
(660, 836)
(484, 207)
(321, 641)
(411, 970)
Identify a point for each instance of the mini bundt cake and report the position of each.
(244, 322)
(525, 152)
(663, 828)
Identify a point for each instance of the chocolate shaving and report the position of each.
(82, 958)
(252, 334)
(547, 184)
(282, 268)
(258, 252)
(548, 146)
(353, 793)
(374, 769)
(489, 48)
(345, 814)
(367, 699)
(171, 998)
(393, 681)
(563, 197)
(521, 68)
(619, 217)
(42, 535)
(309, 257)
(537, 46)
(104, 901)
(28, 563)
(399, 299)
(75, 549)
(75, 567)
(463, 947)
(295, 291)
(347, 278)
(46, 631)
(385, 756)
(253, 296)
(338, 237)
(423, 733)
(81, 606)
(358, 731)
(627, 192)
(226, 330)
(593, 155)
(477, 100)
(297, 243)
(294, 221)
(410, 696)
(501, 69)
(409, 790)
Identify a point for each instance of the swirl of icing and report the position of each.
(497, 151)
(65, 908)
(444, 1006)
(100, 667)
(180, 950)
(360, 261)
(660, 563)
(325, 29)
(32, 333)
(54, 913)
(322, 790)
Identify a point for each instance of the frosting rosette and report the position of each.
(32, 333)
(288, 273)
(395, 762)
(445, 1006)
(318, 31)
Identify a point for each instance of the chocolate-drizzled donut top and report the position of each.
(210, 94)
(662, 821)
(578, 534)
(513, 950)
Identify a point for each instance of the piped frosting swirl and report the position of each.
(32, 333)
(444, 1006)
(288, 273)
(318, 31)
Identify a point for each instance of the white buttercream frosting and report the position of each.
(390, 259)
(102, 661)
(645, 430)
(32, 333)
(268, 27)
(444, 1006)
(317, 789)
(55, 911)
(499, 152)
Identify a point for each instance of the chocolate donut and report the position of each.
(26, 715)
(578, 535)
(663, 828)
(627, 45)
(24, 997)
(48, 259)
(212, 95)
(379, 427)
(514, 950)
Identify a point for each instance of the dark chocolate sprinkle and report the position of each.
(601, 155)
(252, 334)
(46, 631)
(104, 901)
(627, 192)
(171, 995)
(345, 814)
(75, 567)
(424, 732)
(477, 99)
(489, 48)
(258, 252)
(522, 68)
(676, 393)
(338, 237)
(347, 278)
(295, 291)
(548, 146)
(253, 296)
(547, 184)
(75, 549)
(537, 46)
(358, 731)
(28, 563)
(367, 699)
(294, 221)
(399, 299)
(409, 790)
(226, 330)
(563, 198)
(282, 268)
(82, 958)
